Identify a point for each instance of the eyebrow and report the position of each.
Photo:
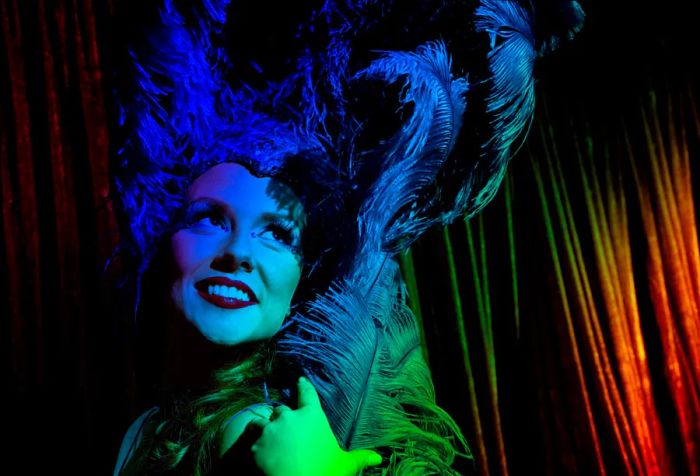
(272, 216)
(208, 201)
(269, 215)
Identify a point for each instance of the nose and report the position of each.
(237, 253)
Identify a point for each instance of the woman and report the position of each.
(238, 254)
(204, 132)
(236, 262)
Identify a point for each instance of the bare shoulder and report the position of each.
(131, 440)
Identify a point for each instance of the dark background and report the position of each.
(65, 358)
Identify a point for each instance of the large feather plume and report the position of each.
(390, 218)
(359, 342)
(361, 347)
(511, 101)
(516, 40)
(170, 99)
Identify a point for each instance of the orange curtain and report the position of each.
(565, 334)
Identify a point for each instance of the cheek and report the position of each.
(290, 276)
(281, 273)
(183, 250)
(188, 252)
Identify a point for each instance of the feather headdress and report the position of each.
(194, 93)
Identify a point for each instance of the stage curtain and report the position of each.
(565, 334)
(561, 325)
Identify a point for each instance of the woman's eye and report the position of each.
(283, 233)
(209, 220)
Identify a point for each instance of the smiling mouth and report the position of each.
(226, 293)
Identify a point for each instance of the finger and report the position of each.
(360, 459)
(278, 411)
(308, 397)
(257, 424)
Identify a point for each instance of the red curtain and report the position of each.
(61, 347)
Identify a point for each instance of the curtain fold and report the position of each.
(561, 325)
(63, 343)
(586, 282)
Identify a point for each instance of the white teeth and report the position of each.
(228, 292)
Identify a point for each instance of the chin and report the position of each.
(226, 327)
(225, 341)
(230, 328)
(219, 329)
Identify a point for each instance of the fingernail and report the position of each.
(375, 459)
(303, 380)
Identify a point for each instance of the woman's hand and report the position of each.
(301, 443)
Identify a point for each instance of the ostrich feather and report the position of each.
(170, 99)
(359, 342)
(511, 101)
(418, 150)
(362, 351)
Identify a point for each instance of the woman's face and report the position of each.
(237, 254)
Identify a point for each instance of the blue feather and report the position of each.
(419, 149)
(511, 102)
(362, 349)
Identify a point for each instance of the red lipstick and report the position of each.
(202, 288)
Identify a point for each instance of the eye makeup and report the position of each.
(285, 232)
(203, 214)
(207, 215)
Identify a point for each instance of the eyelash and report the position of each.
(283, 229)
(286, 229)
(216, 218)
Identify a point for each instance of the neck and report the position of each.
(191, 360)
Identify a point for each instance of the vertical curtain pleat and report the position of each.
(568, 330)
(22, 227)
(601, 316)
(57, 232)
